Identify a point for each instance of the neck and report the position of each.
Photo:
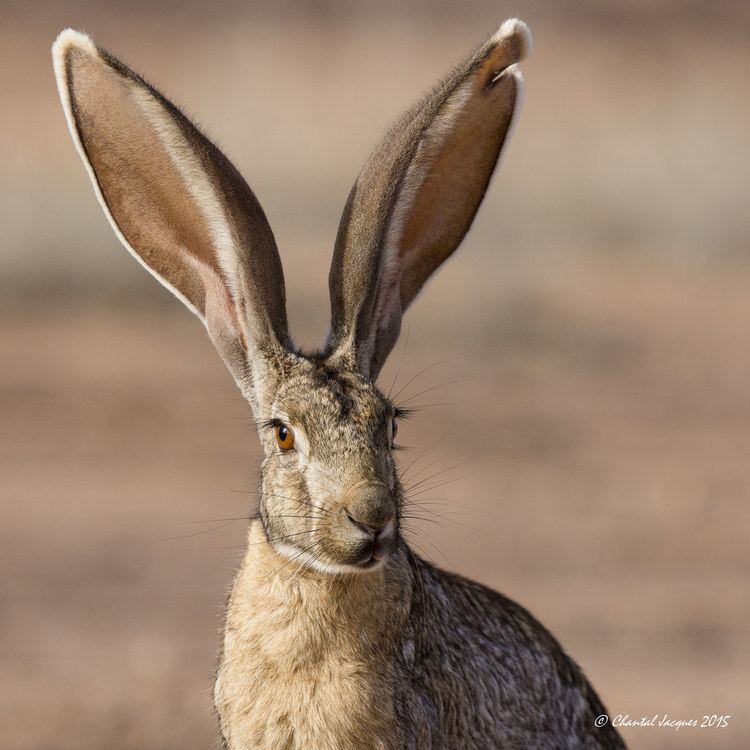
(299, 644)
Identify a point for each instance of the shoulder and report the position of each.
(473, 606)
(496, 655)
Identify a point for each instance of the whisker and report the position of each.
(434, 388)
(419, 548)
(429, 519)
(210, 549)
(432, 463)
(422, 371)
(208, 520)
(438, 473)
(445, 504)
(417, 407)
(403, 354)
(188, 536)
(402, 475)
(267, 540)
(435, 486)
(431, 542)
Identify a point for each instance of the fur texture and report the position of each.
(337, 635)
(407, 657)
(402, 656)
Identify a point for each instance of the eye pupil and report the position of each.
(394, 430)
(284, 437)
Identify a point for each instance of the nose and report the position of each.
(376, 533)
(370, 508)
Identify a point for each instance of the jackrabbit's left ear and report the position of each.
(417, 195)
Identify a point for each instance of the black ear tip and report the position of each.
(515, 36)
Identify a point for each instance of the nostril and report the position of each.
(373, 529)
(369, 530)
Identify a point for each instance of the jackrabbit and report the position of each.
(337, 635)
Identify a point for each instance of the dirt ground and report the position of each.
(605, 420)
(587, 397)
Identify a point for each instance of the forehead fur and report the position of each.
(318, 396)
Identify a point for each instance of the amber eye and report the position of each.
(284, 437)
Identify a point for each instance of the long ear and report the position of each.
(417, 195)
(176, 203)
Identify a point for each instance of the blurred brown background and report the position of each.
(599, 311)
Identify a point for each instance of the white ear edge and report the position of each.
(515, 71)
(65, 40)
(518, 28)
(70, 38)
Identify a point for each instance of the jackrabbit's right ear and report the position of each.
(177, 203)
(417, 195)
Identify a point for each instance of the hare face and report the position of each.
(330, 494)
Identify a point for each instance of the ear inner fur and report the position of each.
(139, 182)
(175, 201)
(437, 219)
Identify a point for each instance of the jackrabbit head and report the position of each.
(330, 491)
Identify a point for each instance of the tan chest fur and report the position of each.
(306, 657)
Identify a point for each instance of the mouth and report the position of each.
(341, 553)
(373, 554)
